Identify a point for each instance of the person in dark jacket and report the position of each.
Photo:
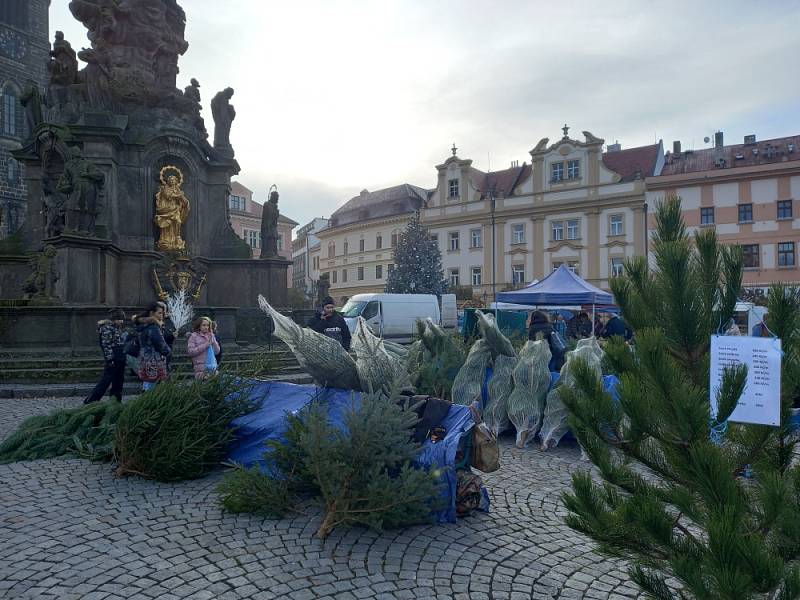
(579, 326)
(330, 323)
(616, 326)
(153, 349)
(111, 336)
(540, 324)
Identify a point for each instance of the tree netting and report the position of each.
(495, 414)
(320, 356)
(500, 344)
(554, 424)
(469, 381)
(531, 378)
(378, 370)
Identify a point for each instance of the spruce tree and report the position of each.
(417, 263)
(672, 500)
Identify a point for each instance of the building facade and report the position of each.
(245, 218)
(24, 49)
(306, 238)
(748, 193)
(356, 248)
(574, 205)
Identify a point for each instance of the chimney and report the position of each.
(615, 147)
(676, 147)
(364, 192)
(718, 140)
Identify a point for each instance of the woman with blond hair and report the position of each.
(202, 347)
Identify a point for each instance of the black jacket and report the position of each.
(334, 327)
(579, 327)
(151, 339)
(616, 326)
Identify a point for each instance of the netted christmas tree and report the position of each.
(417, 263)
(676, 496)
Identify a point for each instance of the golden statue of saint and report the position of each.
(172, 208)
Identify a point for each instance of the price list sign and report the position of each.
(760, 403)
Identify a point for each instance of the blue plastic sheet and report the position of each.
(268, 422)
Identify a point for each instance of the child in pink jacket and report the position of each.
(201, 348)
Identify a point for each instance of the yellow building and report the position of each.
(574, 204)
(356, 247)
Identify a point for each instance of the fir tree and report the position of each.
(672, 500)
(417, 263)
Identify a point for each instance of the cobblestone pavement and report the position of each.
(70, 530)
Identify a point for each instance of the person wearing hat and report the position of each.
(111, 335)
(330, 323)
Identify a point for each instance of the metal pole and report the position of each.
(494, 250)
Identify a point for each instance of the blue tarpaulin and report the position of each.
(268, 422)
(561, 287)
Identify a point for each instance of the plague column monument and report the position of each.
(127, 199)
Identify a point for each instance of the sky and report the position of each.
(335, 97)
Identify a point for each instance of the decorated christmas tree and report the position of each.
(417, 263)
(701, 506)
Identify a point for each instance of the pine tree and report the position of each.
(673, 500)
(417, 263)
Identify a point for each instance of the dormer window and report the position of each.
(452, 188)
(573, 169)
(557, 172)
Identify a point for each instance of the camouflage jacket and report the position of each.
(112, 340)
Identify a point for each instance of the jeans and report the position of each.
(113, 375)
(148, 385)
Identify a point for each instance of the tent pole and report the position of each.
(593, 319)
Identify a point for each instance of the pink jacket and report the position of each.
(196, 349)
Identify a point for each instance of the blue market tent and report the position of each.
(561, 287)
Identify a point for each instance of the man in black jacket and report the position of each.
(330, 323)
(111, 336)
(616, 326)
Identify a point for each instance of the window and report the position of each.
(435, 239)
(394, 240)
(453, 277)
(452, 188)
(476, 275)
(236, 202)
(253, 238)
(333, 276)
(615, 225)
(475, 238)
(378, 271)
(344, 275)
(390, 270)
(750, 252)
(361, 273)
(573, 169)
(14, 13)
(361, 245)
(280, 242)
(9, 112)
(786, 254)
(784, 209)
(315, 263)
(371, 310)
(574, 266)
(518, 274)
(745, 213)
(345, 246)
(518, 233)
(558, 231)
(378, 242)
(572, 229)
(557, 172)
(556, 265)
(617, 266)
(707, 216)
(454, 240)
(331, 249)
(12, 169)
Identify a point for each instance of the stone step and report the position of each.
(67, 390)
(96, 362)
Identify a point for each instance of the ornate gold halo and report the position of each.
(170, 168)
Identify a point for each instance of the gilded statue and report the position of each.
(172, 208)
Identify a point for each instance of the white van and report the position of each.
(747, 315)
(393, 316)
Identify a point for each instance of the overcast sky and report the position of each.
(335, 97)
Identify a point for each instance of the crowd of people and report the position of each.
(145, 344)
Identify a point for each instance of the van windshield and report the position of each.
(353, 309)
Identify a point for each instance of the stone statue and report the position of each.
(223, 113)
(31, 100)
(63, 64)
(82, 182)
(53, 208)
(38, 287)
(172, 209)
(269, 226)
(97, 78)
(192, 91)
(323, 285)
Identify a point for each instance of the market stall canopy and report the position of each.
(561, 287)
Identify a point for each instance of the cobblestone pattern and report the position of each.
(70, 530)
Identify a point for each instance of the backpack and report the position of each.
(132, 346)
(557, 344)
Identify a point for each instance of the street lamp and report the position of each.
(494, 248)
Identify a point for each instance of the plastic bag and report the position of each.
(531, 383)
